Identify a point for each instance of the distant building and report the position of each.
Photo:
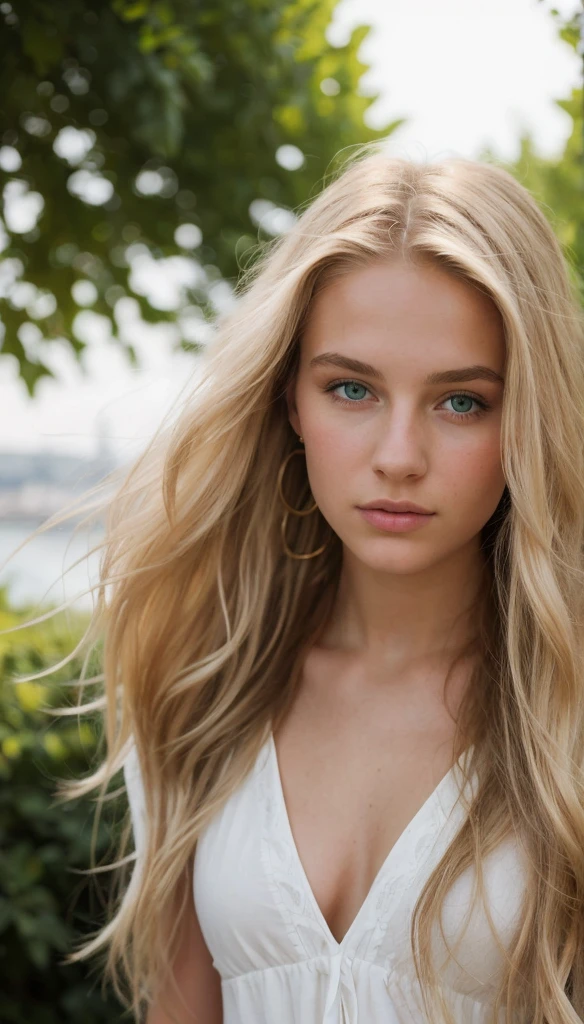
(36, 485)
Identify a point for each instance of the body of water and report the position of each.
(34, 573)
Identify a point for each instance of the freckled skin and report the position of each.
(401, 439)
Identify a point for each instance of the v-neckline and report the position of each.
(386, 863)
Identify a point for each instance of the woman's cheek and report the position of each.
(474, 483)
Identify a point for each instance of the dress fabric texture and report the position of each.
(278, 959)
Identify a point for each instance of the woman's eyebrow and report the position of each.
(462, 373)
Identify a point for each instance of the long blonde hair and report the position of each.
(205, 621)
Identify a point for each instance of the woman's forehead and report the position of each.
(398, 309)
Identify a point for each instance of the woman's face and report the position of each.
(376, 426)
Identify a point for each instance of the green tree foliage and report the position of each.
(558, 183)
(176, 111)
(45, 906)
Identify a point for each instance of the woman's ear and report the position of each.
(291, 406)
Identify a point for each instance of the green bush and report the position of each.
(45, 906)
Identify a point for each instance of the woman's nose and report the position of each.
(401, 446)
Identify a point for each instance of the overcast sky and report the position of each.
(465, 72)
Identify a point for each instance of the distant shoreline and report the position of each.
(34, 521)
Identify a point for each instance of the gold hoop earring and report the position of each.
(294, 511)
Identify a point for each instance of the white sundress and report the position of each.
(279, 961)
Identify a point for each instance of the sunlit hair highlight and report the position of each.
(205, 622)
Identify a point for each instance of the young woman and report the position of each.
(343, 631)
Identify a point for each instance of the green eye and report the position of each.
(354, 394)
(461, 399)
(353, 390)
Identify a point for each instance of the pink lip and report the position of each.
(397, 506)
(395, 522)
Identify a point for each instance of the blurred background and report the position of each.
(148, 150)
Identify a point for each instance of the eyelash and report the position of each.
(483, 405)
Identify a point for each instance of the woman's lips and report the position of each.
(395, 522)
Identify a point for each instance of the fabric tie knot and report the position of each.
(341, 997)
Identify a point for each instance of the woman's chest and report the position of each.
(347, 799)
(257, 909)
(359, 754)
